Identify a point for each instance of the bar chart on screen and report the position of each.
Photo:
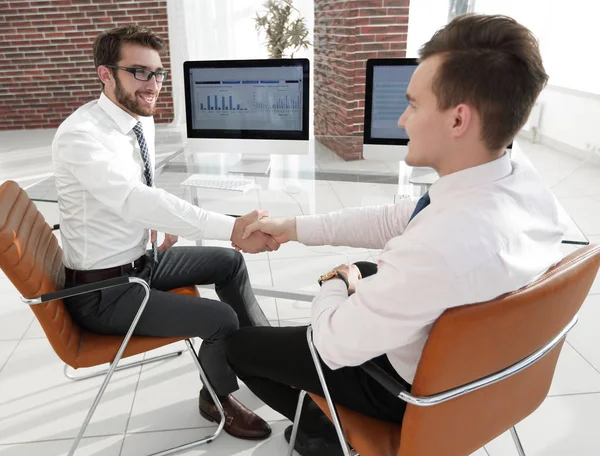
(248, 103)
(221, 102)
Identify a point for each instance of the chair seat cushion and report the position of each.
(368, 436)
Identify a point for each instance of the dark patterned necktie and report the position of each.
(148, 175)
(421, 204)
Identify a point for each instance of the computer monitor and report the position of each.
(385, 101)
(247, 106)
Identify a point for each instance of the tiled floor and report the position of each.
(146, 409)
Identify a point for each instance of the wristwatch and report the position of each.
(333, 274)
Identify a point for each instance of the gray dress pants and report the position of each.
(111, 311)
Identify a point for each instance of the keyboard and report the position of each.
(234, 183)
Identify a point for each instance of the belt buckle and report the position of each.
(133, 268)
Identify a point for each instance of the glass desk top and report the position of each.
(289, 185)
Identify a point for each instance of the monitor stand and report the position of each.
(254, 164)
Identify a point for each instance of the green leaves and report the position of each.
(284, 28)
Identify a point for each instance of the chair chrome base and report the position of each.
(515, 436)
(113, 367)
(214, 435)
(336, 421)
(77, 378)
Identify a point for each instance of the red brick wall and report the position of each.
(46, 62)
(347, 33)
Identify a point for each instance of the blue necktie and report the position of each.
(421, 204)
(139, 133)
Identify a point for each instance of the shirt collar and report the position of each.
(472, 177)
(123, 119)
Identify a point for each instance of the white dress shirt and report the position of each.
(488, 230)
(106, 208)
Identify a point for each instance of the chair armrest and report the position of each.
(82, 289)
(383, 378)
(425, 401)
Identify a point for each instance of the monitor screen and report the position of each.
(247, 99)
(385, 99)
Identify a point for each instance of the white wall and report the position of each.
(218, 30)
(570, 120)
(425, 18)
(567, 32)
(568, 35)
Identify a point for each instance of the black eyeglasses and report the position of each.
(143, 74)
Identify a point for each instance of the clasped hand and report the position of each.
(253, 241)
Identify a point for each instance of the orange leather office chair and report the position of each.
(32, 259)
(484, 368)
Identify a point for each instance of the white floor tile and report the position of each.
(26, 155)
(260, 273)
(293, 310)
(38, 403)
(555, 167)
(95, 446)
(15, 316)
(326, 200)
(584, 180)
(295, 322)
(167, 394)
(145, 443)
(565, 425)
(585, 337)
(35, 331)
(480, 452)
(574, 374)
(585, 212)
(6, 350)
(269, 307)
(596, 285)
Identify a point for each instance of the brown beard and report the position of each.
(131, 103)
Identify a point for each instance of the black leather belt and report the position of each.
(95, 275)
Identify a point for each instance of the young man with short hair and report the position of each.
(488, 226)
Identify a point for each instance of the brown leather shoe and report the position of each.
(240, 422)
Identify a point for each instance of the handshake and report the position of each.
(256, 232)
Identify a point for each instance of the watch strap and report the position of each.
(334, 274)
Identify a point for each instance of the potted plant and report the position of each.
(285, 29)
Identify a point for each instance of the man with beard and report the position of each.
(103, 157)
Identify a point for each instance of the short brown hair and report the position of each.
(107, 46)
(492, 63)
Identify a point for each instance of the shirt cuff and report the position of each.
(309, 229)
(218, 227)
(335, 285)
(333, 293)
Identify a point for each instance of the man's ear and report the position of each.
(105, 74)
(461, 120)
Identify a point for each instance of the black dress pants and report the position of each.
(276, 364)
(112, 310)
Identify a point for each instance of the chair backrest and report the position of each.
(32, 259)
(474, 341)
